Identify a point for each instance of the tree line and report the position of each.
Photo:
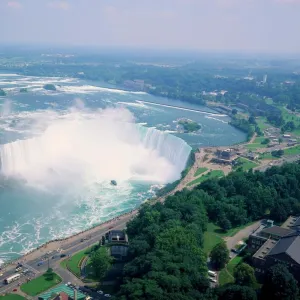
(166, 257)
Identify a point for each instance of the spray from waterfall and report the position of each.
(80, 147)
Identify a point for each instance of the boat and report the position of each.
(113, 182)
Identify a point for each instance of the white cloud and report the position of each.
(14, 4)
(64, 5)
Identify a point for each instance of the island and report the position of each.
(189, 125)
(50, 87)
(2, 92)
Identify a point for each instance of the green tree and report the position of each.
(49, 275)
(279, 284)
(101, 262)
(236, 292)
(244, 275)
(219, 255)
(265, 141)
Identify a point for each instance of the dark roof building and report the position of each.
(277, 245)
(287, 249)
(117, 236)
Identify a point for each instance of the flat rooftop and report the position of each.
(291, 221)
(265, 249)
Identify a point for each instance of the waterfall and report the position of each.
(174, 149)
(88, 153)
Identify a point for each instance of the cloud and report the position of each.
(64, 5)
(14, 4)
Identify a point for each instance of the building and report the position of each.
(62, 292)
(117, 236)
(225, 154)
(264, 233)
(119, 252)
(252, 155)
(274, 244)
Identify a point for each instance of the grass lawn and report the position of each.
(292, 151)
(225, 277)
(200, 171)
(40, 284)
(256, 143)
(214, 235)
(262, 123)
(269, 101)
(233, 263)
(226, 274)
(245, 164)
(73, 263)
(212, 174)
(268, 155)
(12, 297)
(210, 240)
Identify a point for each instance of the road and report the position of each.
(279, 162)
(242, 234)
(68, 247)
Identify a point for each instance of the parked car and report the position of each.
(100, 292)
(107, 295)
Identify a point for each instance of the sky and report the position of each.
(220, 25)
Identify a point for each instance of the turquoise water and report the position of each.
(41, 201)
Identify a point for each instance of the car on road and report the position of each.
(63, 255)
(18, 269)
(15, 290)
(40, 263)
(107, 295)
(100, 292)
(1, 274)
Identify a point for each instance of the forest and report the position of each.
(166, 257)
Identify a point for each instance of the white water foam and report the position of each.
(85, 89)
(181, 108)
(91, 147)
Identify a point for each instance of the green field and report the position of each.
(215, 234)
(209, 175)
(72, 264)
(292, 151)
(12, 297)
(40, 284)
(268, 155)
(200, 171)
(226, 274)
(256, 144)
(245, 164)
(262, 123)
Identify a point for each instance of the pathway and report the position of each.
(231, 241)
